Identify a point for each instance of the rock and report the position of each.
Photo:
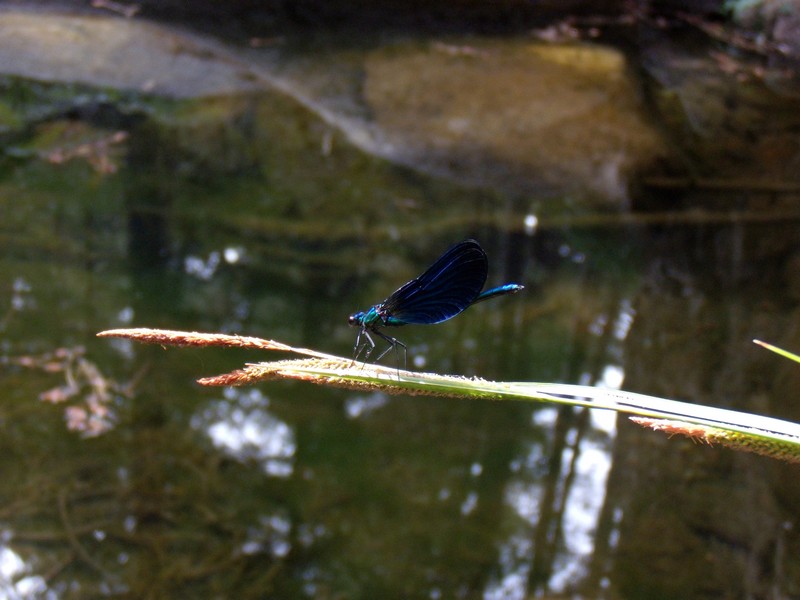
(518, 114)
(126, 54)
(509, 114)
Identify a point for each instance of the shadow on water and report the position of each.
(121, 477)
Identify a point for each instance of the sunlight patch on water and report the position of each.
(271, 535)
(625, 319)
(363, 405)
(203, 269)
(470, 504)
(583, 505)
(233, 254)
(14, 583)
(22, 298)
(530, 224)
(524, 499)
(515, 558)
(577, 497)
(612, 377)
(243, 428)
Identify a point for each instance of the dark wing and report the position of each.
(449, 286)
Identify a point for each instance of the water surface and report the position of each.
(121, 476)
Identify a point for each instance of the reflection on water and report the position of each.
(241, 426)
(361, 405)
(16, 580)
(327, 491)
(317, 487)
(575, 492)
(292, 491)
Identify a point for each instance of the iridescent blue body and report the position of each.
(449, 286)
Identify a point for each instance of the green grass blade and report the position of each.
(780, 351)
(734, 429)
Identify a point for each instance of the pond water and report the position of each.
(122, 477)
